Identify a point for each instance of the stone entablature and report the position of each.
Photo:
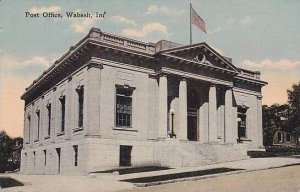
(67, 64)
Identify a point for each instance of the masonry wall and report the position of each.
(99, 139)
(254, 117)
(65, 140)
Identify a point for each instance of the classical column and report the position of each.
(69, 110)
(54, 118)
(182, 117)
(212, 116)
(259, 122)
(93, 99)
(203, 116)
(163, 106)
(31, 125)
(228, 133)
(25, 130)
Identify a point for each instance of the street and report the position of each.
(285, 179)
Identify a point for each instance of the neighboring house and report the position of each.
(16, 154)
(284, 138)
(111, 101)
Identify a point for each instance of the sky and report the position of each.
(259, 35)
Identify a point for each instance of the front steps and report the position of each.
(175, 153)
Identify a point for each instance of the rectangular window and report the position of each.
(242, 116)
(125, 155)
(123, 107)
(288, 137)
(280, 137)
(49, 119)
(45, 157)
(29, 127)
(75, 147)
(38, 123)
(80, 92)
(62, 113)
(25, 154)
(34, 158)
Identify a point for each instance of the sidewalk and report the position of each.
(98, 182)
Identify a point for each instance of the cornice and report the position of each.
(251, 80)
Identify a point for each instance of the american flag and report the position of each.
(197, 20)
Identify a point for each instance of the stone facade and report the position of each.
(112, 101)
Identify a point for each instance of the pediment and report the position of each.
(202, 54)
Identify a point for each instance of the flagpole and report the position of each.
(190, 23)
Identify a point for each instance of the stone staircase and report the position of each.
(191, 154)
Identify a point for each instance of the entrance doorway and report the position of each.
(192, 121)
(192, 115)
(125, 155)
(58, 159)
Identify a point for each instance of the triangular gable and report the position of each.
(202, 54)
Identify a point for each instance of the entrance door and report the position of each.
(58, 158)
(125, 155)
(193, 104)
(192, 124)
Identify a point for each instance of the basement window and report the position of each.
(125, 155)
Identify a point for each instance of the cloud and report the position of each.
(120, 19)
(11, 106)
(16, 74)
(82, 25)
(37, 60)
(54, 9)
(146, 30)
(283, 64)
(232, 23)
(154, 9)
(245, 21)
(32, 66)
(280, 76)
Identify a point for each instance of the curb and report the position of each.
(209, 176)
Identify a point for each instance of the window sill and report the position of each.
(36, 140)
(60, 134)
(47, 137)
(244, 139)
(125, 129)
(77, 129)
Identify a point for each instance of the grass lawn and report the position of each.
(265, 154)
(179, 175)
(6, 182)
(123, 171)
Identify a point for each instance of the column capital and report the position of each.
(69, 78)
(213, 85)
(162, 73)
(183, 78)
(152, 76)
(259, 97)
(229, 87)
(94, 65)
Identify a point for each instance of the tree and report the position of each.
(294, 103)
(274, 119)
(6, 148)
